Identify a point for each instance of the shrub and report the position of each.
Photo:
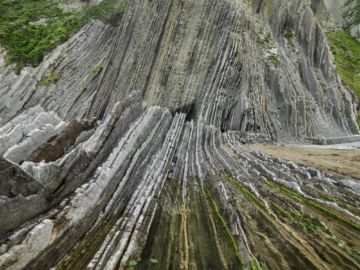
(31, 29)
(346, 50)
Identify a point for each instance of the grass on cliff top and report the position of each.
(30, 29)
(346, 50)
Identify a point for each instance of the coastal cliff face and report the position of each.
(126, 146)
(329, 12)
(262, 66)
(352, 20)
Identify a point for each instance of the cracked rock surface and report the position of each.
(137, 157)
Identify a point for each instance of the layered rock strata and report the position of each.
(260, 66)
(201, 198)
(137, 156)
(352, 18)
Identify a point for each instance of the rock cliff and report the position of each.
(352, 18)
(127, 146)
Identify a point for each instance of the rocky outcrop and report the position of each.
(263, 67)
(352, 18)
(329, 13)
(137, 156)
(144, 173)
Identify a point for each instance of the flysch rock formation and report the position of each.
(353, 18)
(136, 157)
(329, 12)
(225, 63)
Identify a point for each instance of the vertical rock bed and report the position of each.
(127, 147)
(146, 190)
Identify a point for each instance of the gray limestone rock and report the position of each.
(137, 155)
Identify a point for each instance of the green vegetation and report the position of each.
(119, 12)
(262, 266)
(25, 37)
(355, 254)
(290, 35)
(109, 11)
(304, 222)
(245, 191)
(97, 70)
(326, 197)
(309, 224)
(314, 205)
(279, 210)
(358, 120)
(338, 202)
(253, 266)
(346, 50)
(82, 254)
(132, 263)
(274, 60)
(225, 227)
(264, 40)
(31, 29)
(52, 78)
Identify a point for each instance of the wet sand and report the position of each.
(334, 161)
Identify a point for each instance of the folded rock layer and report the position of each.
(261, 66)
(136, 156)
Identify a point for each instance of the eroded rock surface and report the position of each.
(137, 156)
(261, 66)
(352, 18)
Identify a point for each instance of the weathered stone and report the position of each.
(145, 163)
